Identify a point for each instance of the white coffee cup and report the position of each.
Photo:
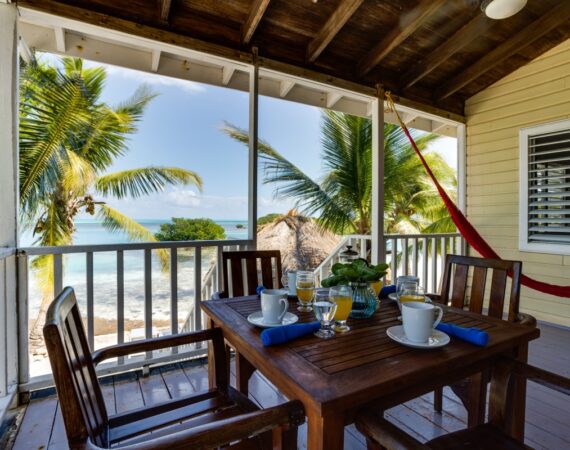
(274, 305)
(419, 320)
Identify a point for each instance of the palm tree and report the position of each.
(68, 140)
(342, 198)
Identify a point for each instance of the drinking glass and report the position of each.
(412, 294)
(342, 296)
(305, 290)
(325, 309)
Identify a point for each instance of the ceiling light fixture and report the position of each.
(501, 9)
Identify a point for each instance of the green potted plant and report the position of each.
(359, 275)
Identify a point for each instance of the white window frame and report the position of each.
(524, 133)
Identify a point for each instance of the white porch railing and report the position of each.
(176, 251)
(422, 255)
(8, 329)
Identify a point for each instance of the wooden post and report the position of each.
(9, 350)
(377, 216)
(252, 166)
(462, 175)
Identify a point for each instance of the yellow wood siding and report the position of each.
(536, 93)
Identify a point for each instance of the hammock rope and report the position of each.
(471, 235)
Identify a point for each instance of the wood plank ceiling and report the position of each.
(433, 52)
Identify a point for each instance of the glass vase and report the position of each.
(363, 301)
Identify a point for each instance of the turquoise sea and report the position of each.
(105, 273)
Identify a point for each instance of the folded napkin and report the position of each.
(471, 335)
(286, 333)
(386, 290)
(259, 289)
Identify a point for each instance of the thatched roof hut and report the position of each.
(302, 242)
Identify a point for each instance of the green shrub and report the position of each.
(190, 230)
(268, 218)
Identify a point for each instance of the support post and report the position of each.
(252, 165)
(462, 175)
(377, 216)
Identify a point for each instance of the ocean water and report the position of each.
(105, 275)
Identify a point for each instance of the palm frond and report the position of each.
(144, 181)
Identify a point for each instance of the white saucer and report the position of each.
(437, 339)
(256, 319)
(393, 296)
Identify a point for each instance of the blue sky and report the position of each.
(182, 127)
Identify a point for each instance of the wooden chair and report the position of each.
(237, 260)
(458, 269)
(381, 434)
(208, 419)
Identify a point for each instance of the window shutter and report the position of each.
(548, 187)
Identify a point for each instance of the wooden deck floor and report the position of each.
(547, 414)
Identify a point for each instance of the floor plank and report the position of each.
(128, 395)
(36, 427)
(154, 389)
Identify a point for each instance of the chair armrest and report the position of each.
(222, 432)
(548, 379)
(384, 433)
(145, 345)
(525, 319)
(434, 297)
(219, 295)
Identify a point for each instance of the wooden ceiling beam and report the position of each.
(409, 24)
(165, 9)
(465, 35)
(327, 33)
(256, 12)
(554, 18)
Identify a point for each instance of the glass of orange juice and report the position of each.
(412, 294)
(376, 287)
(305, 290)
(342, 296)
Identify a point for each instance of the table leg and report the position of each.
(325, 432)
(244, 371)
(519, 398)
(476, 399)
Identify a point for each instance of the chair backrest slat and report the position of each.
(78, 389)
(457, 268)
(251, 258)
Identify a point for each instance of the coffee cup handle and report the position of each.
(285, 304)
(439, 316)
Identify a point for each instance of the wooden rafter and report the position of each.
(555, 17)
(255, 14)
(336, 21)
(165, 9)
(410, 23)
(455, 43)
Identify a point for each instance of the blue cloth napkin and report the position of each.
(471, 335)
(286, 333)
(386, 290)
(259, 289)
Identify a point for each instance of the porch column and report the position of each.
(462, 175)
(377, 215)
(8, 202)
(252, 165)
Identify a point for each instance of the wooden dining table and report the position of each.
(334, 378)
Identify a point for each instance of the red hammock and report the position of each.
(467, 230)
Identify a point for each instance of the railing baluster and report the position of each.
(415, 257)
(405, 256)
(148, 297)
(424, 280)
(443, 250)
(363, 249)
(23, 324)
(90, 305)
(197, 288)
(174, 294)
(220, 269)
(394, 261)
(120, 301)
(57, 274)
(434, 264)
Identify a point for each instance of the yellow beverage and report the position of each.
(343, 307)
(411, 298)
(376, 287)
(305, 291)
